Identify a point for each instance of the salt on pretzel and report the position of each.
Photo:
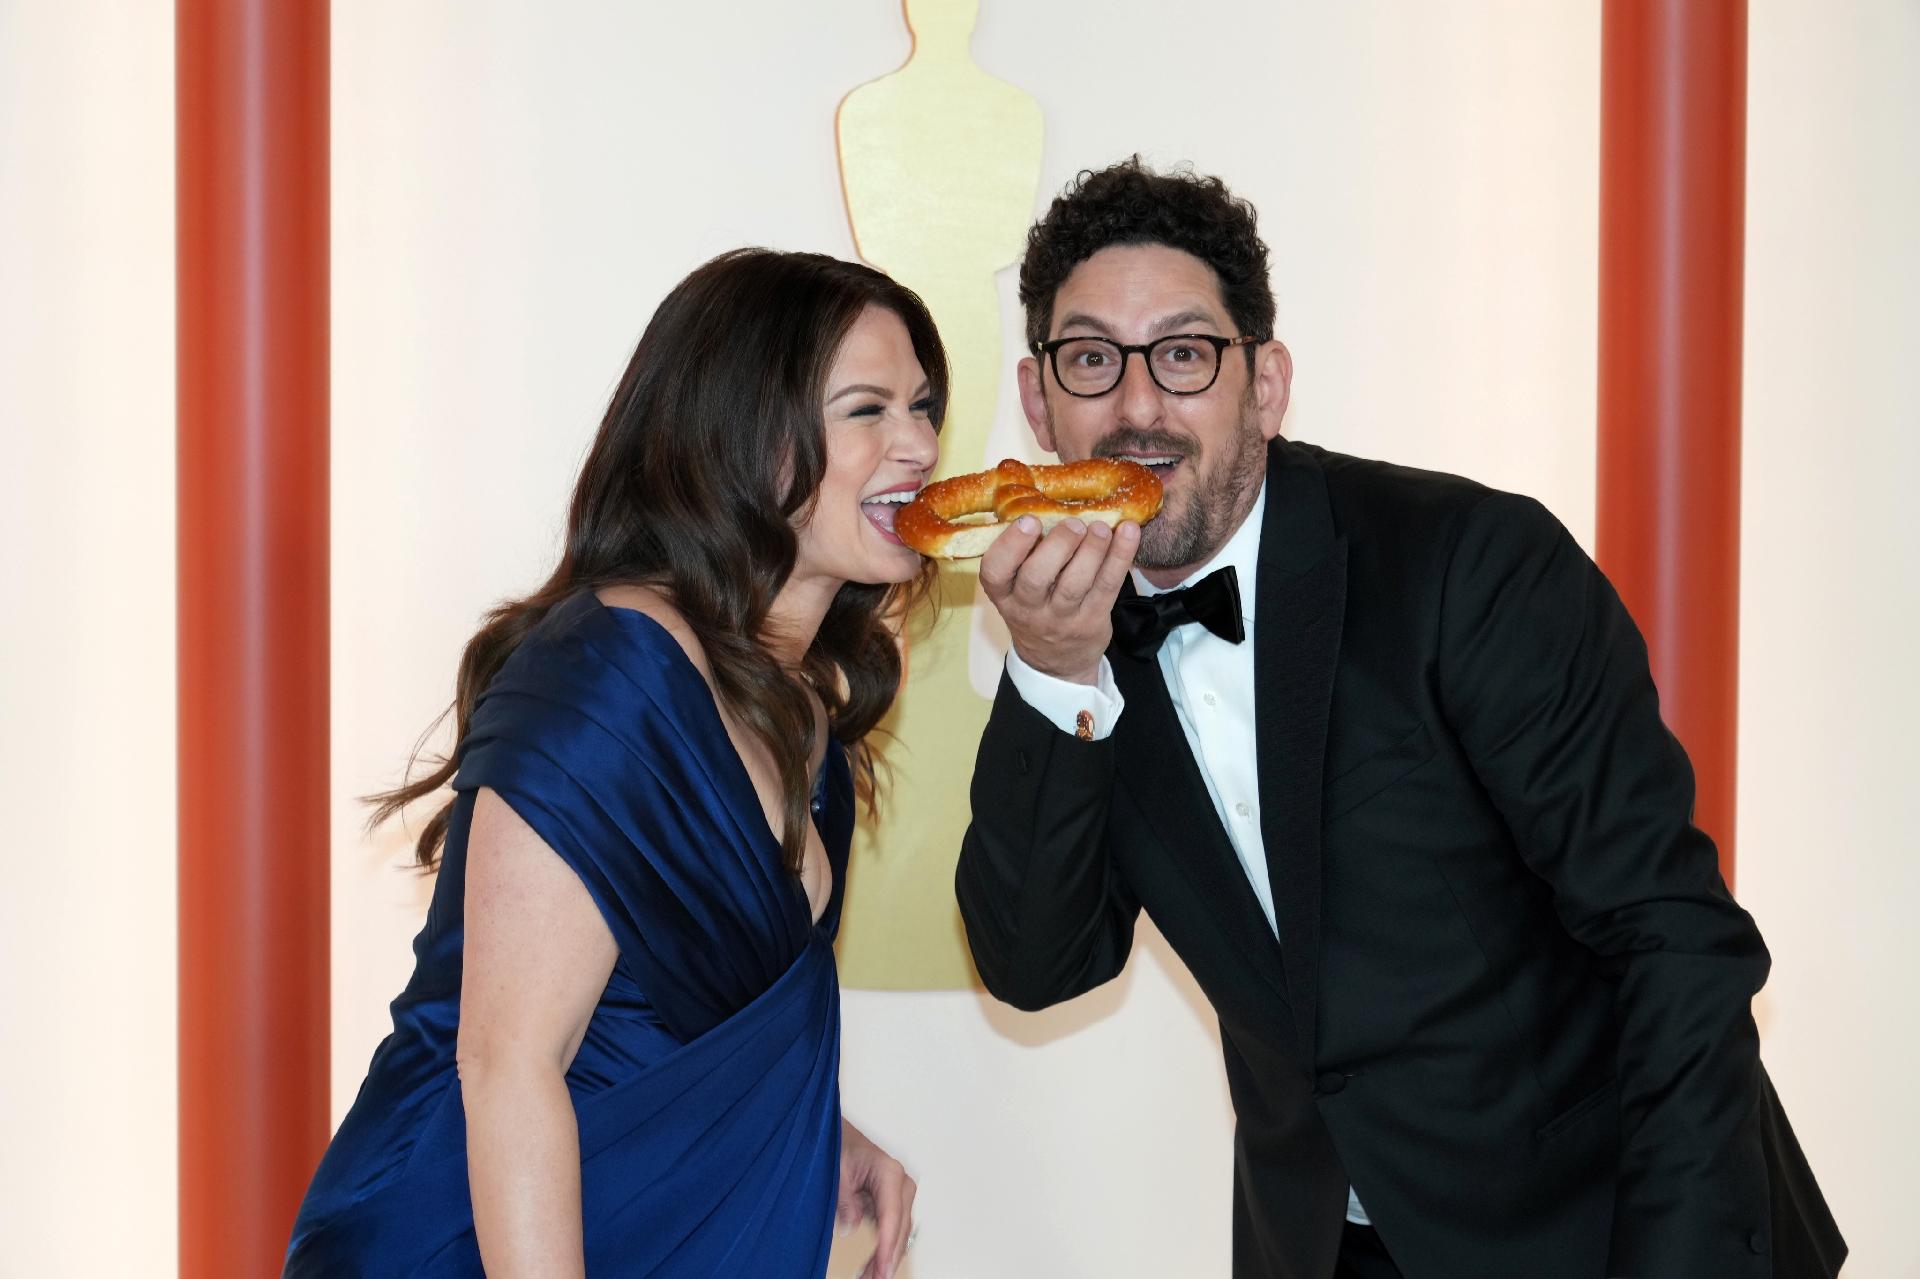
(1099, 490)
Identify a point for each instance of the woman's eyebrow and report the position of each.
(857, 388)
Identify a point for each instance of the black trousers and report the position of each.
(1363, 1256)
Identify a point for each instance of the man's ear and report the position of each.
(1033, 399)
(1272, 384)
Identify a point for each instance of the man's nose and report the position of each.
(1138, 396)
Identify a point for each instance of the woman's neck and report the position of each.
(795, 617)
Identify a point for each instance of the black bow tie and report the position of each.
(1142, 623)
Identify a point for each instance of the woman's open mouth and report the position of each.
(882, 509)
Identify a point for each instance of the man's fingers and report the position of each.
(1033, 585)
(1121, 548)
(1004, 558)
(1077, 578)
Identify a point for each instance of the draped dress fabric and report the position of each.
(706, 1088)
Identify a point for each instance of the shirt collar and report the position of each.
(1241, 553)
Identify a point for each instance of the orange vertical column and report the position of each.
(251, 137)
(1672, 224)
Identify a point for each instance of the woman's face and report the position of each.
(881, 448)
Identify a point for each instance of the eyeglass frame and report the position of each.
(1050, 350)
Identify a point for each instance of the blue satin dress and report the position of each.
(707, 1087)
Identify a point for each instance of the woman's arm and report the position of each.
(536, 959)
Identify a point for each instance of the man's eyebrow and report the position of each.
(1185, 320)
(1170, 324)
(1080, 320)
(858, 387)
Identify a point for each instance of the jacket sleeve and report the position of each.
(1546, 681)
(1048, 915)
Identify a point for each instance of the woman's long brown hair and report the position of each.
(713, 444)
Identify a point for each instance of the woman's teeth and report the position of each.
(883, 508)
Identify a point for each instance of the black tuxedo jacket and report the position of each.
(1509, 1001)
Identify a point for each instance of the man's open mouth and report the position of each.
(1162, 465)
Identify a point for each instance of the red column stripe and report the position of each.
(252, 164)
(1672, 214)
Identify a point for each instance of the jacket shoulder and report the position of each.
(1376, 498)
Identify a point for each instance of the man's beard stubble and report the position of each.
(1215, 501)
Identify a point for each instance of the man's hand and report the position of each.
(873, 1184)
(1056, 592)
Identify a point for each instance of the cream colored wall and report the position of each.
(86, 640)
(1829, 861)
(514, 189)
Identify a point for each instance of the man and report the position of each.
(1404, 805)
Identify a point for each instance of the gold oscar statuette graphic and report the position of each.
(941, 163)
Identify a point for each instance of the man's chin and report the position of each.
(1165, 540)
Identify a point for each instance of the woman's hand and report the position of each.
(873, 1184)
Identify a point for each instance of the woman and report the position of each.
(618, 1053)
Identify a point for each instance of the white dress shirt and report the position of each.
(1211, 683)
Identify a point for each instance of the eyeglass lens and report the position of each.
(1182, 365)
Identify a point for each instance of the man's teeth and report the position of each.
(1152, 459)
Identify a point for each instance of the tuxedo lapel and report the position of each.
(1299, 609)
(1160, 774)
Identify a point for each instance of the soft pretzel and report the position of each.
(1102, 490)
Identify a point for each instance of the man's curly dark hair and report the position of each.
(1128, 203)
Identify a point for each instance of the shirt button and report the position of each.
(1757, 1242)
(1330, 1083)
(1209, 699)
(1242, 809)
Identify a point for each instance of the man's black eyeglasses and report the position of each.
(1179, 364)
